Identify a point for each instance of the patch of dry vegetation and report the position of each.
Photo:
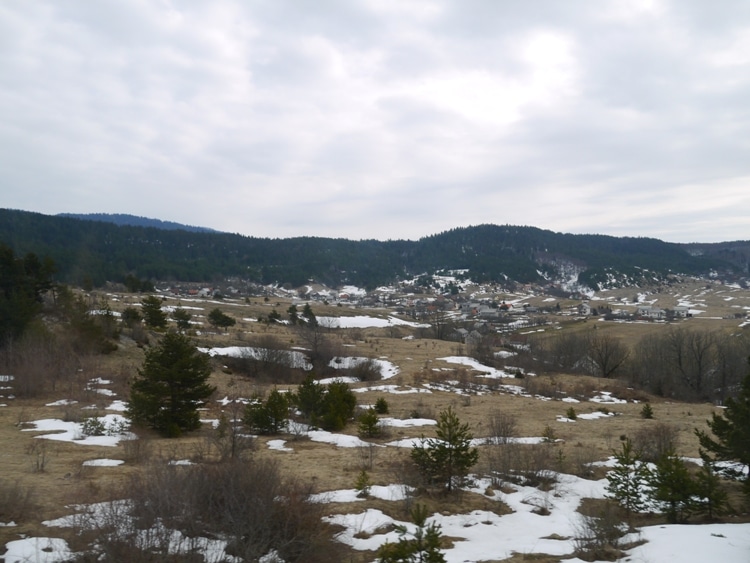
(41, 477)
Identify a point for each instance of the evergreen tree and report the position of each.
(328, 406)
(309, 316)
(338, 405)
(293, 314)
(309, 399)
(182, 318)
(274, 316)
(363, 484)
(731, 433)
(447, 458)
(381, 405)
(130, 316)
(269, 417)
(422, 547)
(219, 319)
(368, 424)
(672, 485)
(152, 312)
(711, 498)
(23, 281)
(627, 479)
(170, 386)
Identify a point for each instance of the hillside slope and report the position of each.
(103, 251)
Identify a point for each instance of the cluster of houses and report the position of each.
(642, 312)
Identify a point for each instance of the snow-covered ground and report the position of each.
(366, 321)
(478, 535)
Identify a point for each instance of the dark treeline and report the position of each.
(135, 221)
(679, 363)
(92, 252)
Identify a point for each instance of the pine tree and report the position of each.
(732, 433)
(269, 417)
(152, 313)
(170, 386)
(328, 406)
(447, 458)
(672, 485)
(219, 319)
(423, 547)
(309, 316)
(293, 314)
(182, 318)
(23, 281)
(368, 424)
(381, 405)
(627, 478)
(339, 403)
(711, 498)
(309, 399)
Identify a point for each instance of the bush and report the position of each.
(503, 428)
(329, 406)
(597, 537)
(249, 504)
(92, 426)
(654, 441)
(269, 417)
(548, 434)
(16, 502)
(446, 460)
(368, 424)
(368, 370)
(424, 545)
(363, 484)
(171, 386)
(381, 406)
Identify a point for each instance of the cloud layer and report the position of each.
(382, 119)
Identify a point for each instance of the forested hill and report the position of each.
(102, 251)
(135, 221)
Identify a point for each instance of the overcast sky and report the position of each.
(387, 119)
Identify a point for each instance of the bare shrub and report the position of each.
(40, 363)
(654, 441)
(421, 410)
(597, 537)
(16, 502)
(527, 464)
(503, 427)
(366, 456)
(368, 370)
(137, 451)
(230, 436)
(544, 386)
(250, 504)
(581, 459)
(268, 360)
(401, 469)
(39, 455)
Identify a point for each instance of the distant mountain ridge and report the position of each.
(99, 251)
(136, 221)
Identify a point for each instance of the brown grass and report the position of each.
(64, 481)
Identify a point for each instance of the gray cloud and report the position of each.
(382, 119)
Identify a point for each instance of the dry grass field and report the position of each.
(55, 473)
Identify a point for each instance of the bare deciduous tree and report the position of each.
(607, 353)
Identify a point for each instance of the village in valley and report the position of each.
(424, 348)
